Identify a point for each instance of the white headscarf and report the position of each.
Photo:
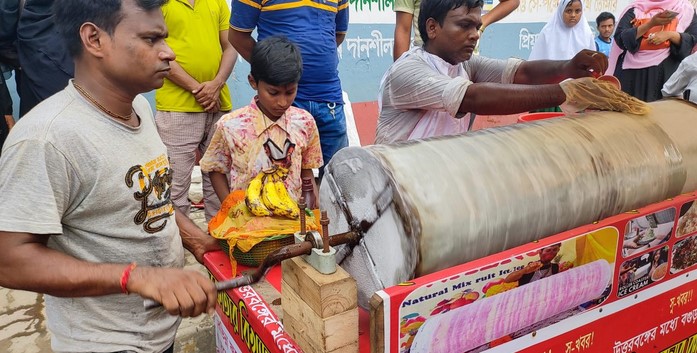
(556, 41)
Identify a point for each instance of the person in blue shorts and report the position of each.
(317, 28)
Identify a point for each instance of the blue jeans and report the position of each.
(331, 123)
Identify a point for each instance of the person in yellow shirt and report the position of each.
(194, 95)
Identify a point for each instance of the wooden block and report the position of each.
(309, 346)
(299, 332)
(321, 334)
(351, 348)
(377, 324)
(326, 295)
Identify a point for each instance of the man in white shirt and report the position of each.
(683, 80)
(430, 91)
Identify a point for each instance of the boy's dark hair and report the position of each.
(604, 16)
(438, 10)
(276, 61)
(69, 15)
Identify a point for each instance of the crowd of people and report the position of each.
(95, 185)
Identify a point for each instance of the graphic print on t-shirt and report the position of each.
(152, 182)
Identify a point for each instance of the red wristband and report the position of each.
(125, 276)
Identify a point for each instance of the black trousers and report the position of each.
(6, 109)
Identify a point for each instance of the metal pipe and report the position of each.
(272, 259)
(303, 225)
(324, 221)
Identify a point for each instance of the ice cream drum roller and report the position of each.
(425, 205)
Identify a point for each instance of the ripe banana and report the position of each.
(282, 172)
(286, 199)
(253, 197)
(272, 200)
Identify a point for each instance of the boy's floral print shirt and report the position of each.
(237, 147)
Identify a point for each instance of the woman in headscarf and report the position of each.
(566, 33)
(652, 38)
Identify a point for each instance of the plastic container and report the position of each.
(256, 255)
(612, 79)
(539, 116)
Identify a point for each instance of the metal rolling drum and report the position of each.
(423, 206)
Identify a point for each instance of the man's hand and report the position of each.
(531, 267)
(194, 239)
(208, 93)
(204, 245)
(586, 63)
(181, 292)
(215, 108)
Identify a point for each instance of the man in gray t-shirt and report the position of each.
(87, 217)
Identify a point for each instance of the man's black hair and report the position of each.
(276, 61)
(69, 15)
(604, 16)
(438, 10)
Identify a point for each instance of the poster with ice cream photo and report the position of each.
(641, 271)
(687, 223)
(648, 231)
(497, 303)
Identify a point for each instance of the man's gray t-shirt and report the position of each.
(102, 190)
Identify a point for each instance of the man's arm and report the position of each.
(485, 98)
(194, 239)
(341, 21)
(503, 9)
(677, 82)
(208, 93)
(534, 85)
(402, 33)
(242, 42)
(26, 263)
(517, 275)
(340, 38)
(180, 77)
(584, 64)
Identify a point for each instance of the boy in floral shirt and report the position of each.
(269, 132)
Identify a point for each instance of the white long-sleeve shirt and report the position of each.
(684, 78)
(421, 93)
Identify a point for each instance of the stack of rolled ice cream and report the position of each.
(483, 321)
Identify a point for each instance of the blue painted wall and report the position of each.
(367, 52)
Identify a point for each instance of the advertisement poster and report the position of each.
(642, 271)
(244, 321)
(648, 231)
(566, 293)
(548, 273)
(687, 223)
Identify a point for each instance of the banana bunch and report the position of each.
(252, 196)
(267, 195)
